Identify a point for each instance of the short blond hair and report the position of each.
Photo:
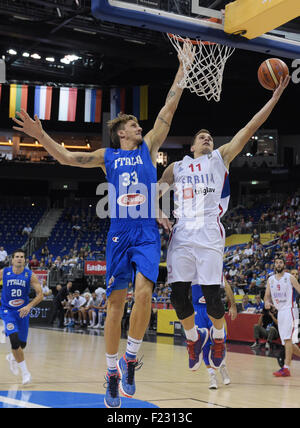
(116, 124)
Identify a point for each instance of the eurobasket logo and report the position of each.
(95, 268)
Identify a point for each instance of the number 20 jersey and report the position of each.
(15, 290)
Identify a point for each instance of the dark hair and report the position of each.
(19, 250)
(279, 257)
(202, 131)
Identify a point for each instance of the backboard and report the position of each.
(189, 18)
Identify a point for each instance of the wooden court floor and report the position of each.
(67, 362)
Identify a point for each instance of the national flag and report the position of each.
(18, 98)
(43, 102)
(67, 104)
(117, 101)
(140, 102)
(93, 105)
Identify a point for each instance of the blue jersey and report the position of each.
(132, 185)
(15, 290)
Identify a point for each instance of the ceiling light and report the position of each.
(50, 59)
(12, 52)
(35, 56)
(26, 54)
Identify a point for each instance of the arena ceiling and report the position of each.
(108, 53)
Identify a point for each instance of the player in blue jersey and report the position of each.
(133, 242)
(15, 308)
(202, 321)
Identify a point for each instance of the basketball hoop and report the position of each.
(204, 75)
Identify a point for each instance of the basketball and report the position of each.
(270, 72)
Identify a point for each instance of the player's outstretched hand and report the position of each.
(165, 223)
(281, 87)
(31, 127)
(23, 312)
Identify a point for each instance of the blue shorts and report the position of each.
(131, 249)
(14, 324)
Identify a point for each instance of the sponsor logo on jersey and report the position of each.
(16, 302)
(10, 326)
(115, 239)
(131, 199)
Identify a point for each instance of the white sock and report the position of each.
(192, 334)
(286, 367)
(111, 361)
(218, 334)
(211, 371)
(23, 367)
(133, 346)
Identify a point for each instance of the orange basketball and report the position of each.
(270, 72)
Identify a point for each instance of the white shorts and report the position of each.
(196, 256)
(288, 324)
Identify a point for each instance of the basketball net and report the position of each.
(204, 75)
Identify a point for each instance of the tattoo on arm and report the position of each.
(170, 94)
(164, 121)
(84, 160)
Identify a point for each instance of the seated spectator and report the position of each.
(27, 230)
(93, 310)
(76, 304)
(46, 290)
(248, 250)
(266, 328)
(34, 263)
(258, 304)
(101, 312)
(290, 259)
(83, 311)
(3, 258)
(246, 304)
(127, 311)
(255, 236)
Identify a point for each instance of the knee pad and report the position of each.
(15, 341)
(180, 299)
(214, 304)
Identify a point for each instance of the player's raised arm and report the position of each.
(33, 128)
(231, 150)
(160, 130)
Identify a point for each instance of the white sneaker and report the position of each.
(13, 365)
(96, 326)
(26, 378)
(213, 384)
(225, 375)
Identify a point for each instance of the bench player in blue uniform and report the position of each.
(203, 321)
(15, 308)
(133, 242)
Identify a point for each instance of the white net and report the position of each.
(204, 75)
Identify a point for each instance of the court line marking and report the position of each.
(20, 403)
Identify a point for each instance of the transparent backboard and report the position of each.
(189, 18)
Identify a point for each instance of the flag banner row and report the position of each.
(68, 102)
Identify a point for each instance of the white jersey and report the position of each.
(196, 245)
(201, 189)
(282, 292)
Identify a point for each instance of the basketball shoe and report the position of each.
(224, 374)
(13, 365)
(126, 369)
(284, 372)
(195, 349)
(217, 352)
(112, 398)
(213, 384)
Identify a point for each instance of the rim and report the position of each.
(192, 41)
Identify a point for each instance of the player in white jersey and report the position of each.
(197, 241)
(280, 292)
